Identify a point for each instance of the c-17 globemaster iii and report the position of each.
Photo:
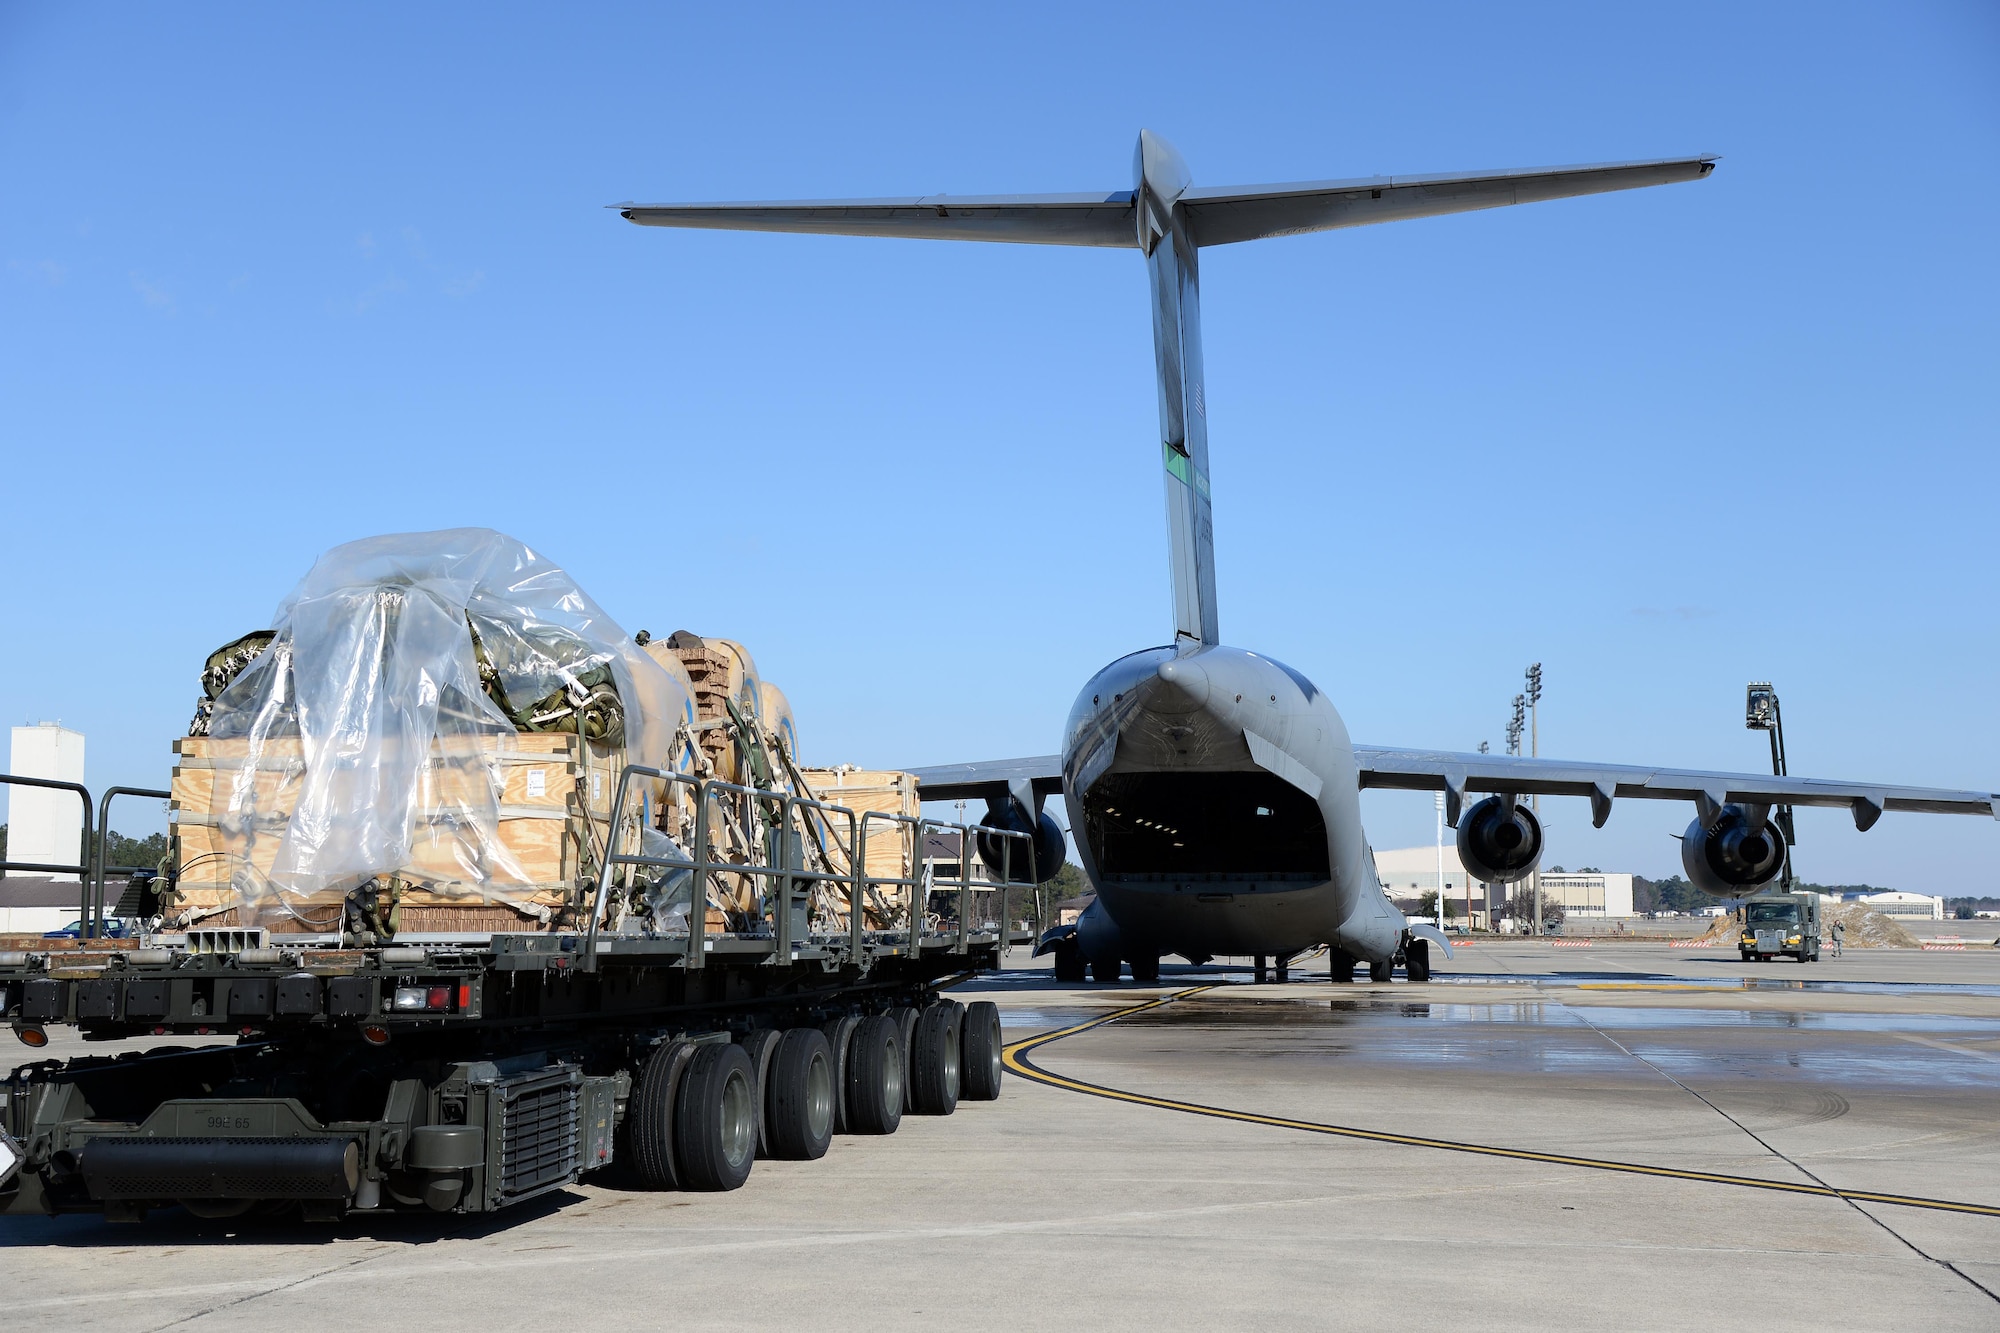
(1213, 791)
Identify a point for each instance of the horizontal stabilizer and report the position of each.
(1227, 214)
(1031, 219)
(1216, 215)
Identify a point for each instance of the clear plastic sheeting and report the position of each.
(402, 668)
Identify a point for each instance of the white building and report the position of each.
(1919, 905)
(45, 826)
(1408, 873)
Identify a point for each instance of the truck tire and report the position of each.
(1070, 967)
(649, 1116)
(979, 1049)
(876, 1073)
(715, 1118)
(838, 1034)
(798, 1104)
(760, 1046)
(934, 1060)
(906, 1023)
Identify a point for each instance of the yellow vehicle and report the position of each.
(1781, 923)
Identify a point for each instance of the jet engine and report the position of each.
(1733, 854)
(1022, 865)
(1499, 841)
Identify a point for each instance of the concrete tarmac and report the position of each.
(1057, 1208)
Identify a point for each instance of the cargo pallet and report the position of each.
(460, 1074)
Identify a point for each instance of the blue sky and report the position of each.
(271, 279)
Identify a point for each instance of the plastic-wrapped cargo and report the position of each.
(442, 715)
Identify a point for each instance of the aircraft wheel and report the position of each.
(875, 1071)
(1070, 967)
(798, 1105)
(1259, 970)
(1340, 966)
(649, 1116)
(760, 1046)
(979, 1052)
(1417, 960)
(934, 1061)
(839, 1033)
(1145, 969)
(1104, 969)
(1382, 971)
(715, 1118)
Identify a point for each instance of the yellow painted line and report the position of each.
(1015, 1057)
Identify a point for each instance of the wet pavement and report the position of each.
(1337, 1198)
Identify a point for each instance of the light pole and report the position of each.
(1534, 696)
(1484, 748)
(1515, 726)
(1440, 892)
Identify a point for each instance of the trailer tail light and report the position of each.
(31, 1035)
(375, 1035)
(422, 999)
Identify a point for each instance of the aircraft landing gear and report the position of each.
(1258, 969)
(1104, 970)
(1284, 967)
(1145, 969)
(1385, 970)
(1070, 966)
(1340, 966)
(1417, 960)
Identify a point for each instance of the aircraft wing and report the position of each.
(991, 779)
(1457, 774)
(1218, 215)
(1224, 215)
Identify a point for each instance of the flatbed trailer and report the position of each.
(462, 1074)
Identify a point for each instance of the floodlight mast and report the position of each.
(1761, 713)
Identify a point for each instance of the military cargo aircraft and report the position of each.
(1213, 791)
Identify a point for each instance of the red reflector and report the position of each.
(375, 1035)
(464, 995)
(437, 997)
(34, 1037)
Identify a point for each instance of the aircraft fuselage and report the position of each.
(1214, 800)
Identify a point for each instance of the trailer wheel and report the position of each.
(760, 1046)
(875, 1076)
(839, 1037)
(906, 1023)
(798, 1105)
(649, 1116)
(980, 1044)
(715, 1118)
(934, 1060)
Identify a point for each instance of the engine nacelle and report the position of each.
(1499, 841)
(1732, 856)
(1022, 865)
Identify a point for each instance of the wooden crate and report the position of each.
(548, 784)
